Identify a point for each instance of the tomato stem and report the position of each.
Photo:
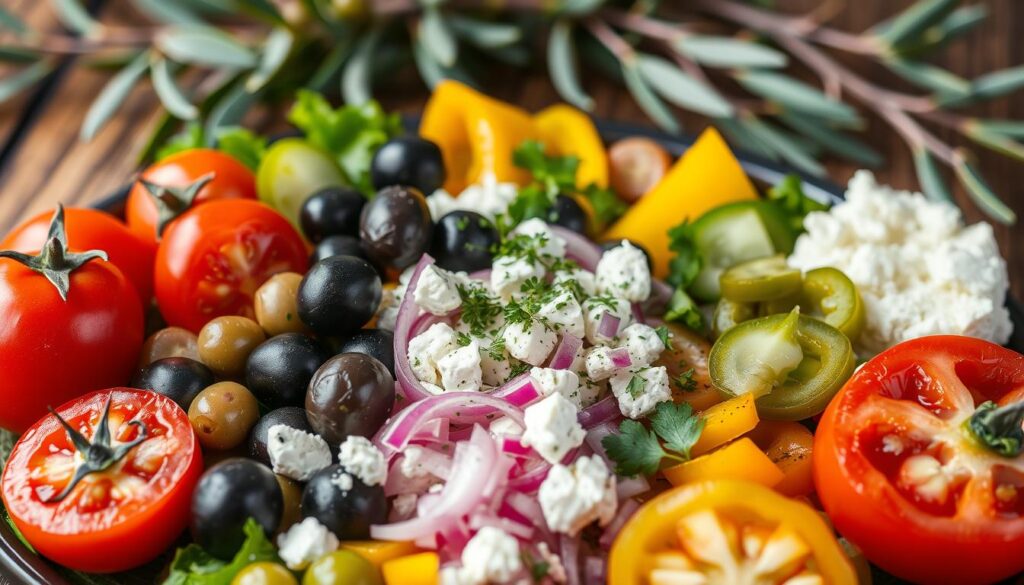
(55, 261)
(999, 427)
(173, 201)
(98, 454)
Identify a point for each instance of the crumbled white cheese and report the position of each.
(623, 272)
(530, 342)
(489, 198)
(548, 244)
(551, 427)
(563, 313)
(572, 497)
(495, 372)
(549, 381)
(363, 459)
(437, 291)
(304, 543)
(342, 481)
(594, 310)
(508, 274)
(643, 343)
(491, 556)
(584, 278)
(428, 347)
(598, 362)
(460, 369)
(296, 454)
(556, 570)
(505, 426)
(918, 269)
(637, 399)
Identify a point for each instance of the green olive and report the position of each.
(277, 304)
(264, 573)
(292, 492)
(343, 567)
(226, 342)
(223, 414)
(169, 342)
(290, 172)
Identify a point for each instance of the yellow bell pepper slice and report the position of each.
(476, 135)
(726, 421)
(565, 131)
(705, 177)
(418, 569)
(379, 552)
(740, 460)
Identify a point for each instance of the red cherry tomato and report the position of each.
(637, 164)
(902, 475)
(117, 518)
(52, 349)
(231, 180)
(90, 229)
(212, 259)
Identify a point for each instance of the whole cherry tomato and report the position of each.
(70, 323)
(106, 486)
(215, 174)
(90, 229)
(918, 460)
(212, 259)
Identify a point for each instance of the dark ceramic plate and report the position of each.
(20, 566)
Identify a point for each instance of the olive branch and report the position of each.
(210, 61)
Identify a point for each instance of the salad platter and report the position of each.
(616, 356)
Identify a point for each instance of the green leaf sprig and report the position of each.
(194, 566)
(637, 450)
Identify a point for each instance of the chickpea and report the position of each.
(226, 342)
(223, 414)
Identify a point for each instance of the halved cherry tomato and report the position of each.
(89, 229)
(212, 259)
(687, 361)
(637, 165)
(230, 180)
(906, 478)
(121, 516)
(726, 532)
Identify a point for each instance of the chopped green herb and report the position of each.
(479, 309)
(685, 381)
(463, 339)
(636, 385)
(788, 196)
(635, 449)
(665, 335)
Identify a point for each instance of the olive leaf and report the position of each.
(355, 78)
(832, 140)
(276, 49)
(484, 34)
(957, 24)
(791, 93)
(437, 37)
(1008, 128)
(113, 95)
(433, 72)
(563, 68)
(932, 183)
(998, 83)
(576, 7)
(515, 55)
(11, 22)
(168, 12)
(995, 141)
(330, 68)
(166, 88)
(75, 17)
(914, 20)
(929, 77)
(788, 148)
(678, 87)
(979, 191)
(228, 111)
(10, 54)
(646, 98)
(25, 78)
(729, 52)
(201, 45)
(739, 135)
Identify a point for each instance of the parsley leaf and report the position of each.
(606, 204)
(682, 309)
(686, 264)
(677, 426)
(685, 381)
(788, 196)
(479, 309)
(636, 385)
(194, 566)
(463, 339)
(665, 335)
(559, 171)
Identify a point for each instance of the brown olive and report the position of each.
(395, 226)
(351, 394)
(226, 342)
(169, 342)
(292, 512)
(223, 414)
(276, 309)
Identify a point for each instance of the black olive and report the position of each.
(351, 394)
(408, 160)
(228, 494)
(177, 378)
(339, 295)
(395, 227)
(290, 416)
(338, 246)
(462, 240)
(568, 213)
(332, 211)
(348, 513)
(279, 369)
(376, 343)
(608, 245)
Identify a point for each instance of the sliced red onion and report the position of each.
(596, 435)
(529, 481)
(569, 546)
(408, 313)
(661, 293)
(628, 487)
(514, 447)
(461, 407)
(608, 326)
(478, 521)
(601, 411)
(565, 353)
(435, 431)
(482, 275)
(620, 357)
(518, 391)
(594, 569)
(585, 252)
(638, 313)
(626, 510)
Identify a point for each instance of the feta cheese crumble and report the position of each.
(594, 310)
(563, 313)
(919, 270)
(643, 343)
(304, 543)
(437, 291)
(428, 347)
(640, 390)
(551, 428)
(296, 454)
(530, 342)
(363, 459)
(491, 556)
(623, 272)
(572, 497)
(460, 369)
(509, 273)
(550, 381)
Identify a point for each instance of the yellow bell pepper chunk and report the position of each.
(725, 421)
(740, 460)
(705, 177)
(565, 131)
(380, 551)
(418, 569)
(476, 134)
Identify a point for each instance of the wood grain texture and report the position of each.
(45, 162)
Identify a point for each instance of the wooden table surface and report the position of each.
(42, 161)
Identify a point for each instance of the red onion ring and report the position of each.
(594, 568)
(565, 353)
(408, 312)
(586, 253)
(569, 546)
(601, 411)
(461, 407)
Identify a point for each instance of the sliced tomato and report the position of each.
(902, 474)
(117, 518)
(212, 259)
(727, 532)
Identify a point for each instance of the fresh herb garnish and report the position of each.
(518, 369)
(665, 335)
(635, 449)
(463, 339)
(244, 145)
(685, 381)
(194, 566)
(479, 309)
(636, 385)
(788, 196)
(682, 309)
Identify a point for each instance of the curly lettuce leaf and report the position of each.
(194, 566)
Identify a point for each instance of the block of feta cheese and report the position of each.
(304, 543)
(296, 454)
(437, 291)
(572, 497)
(640, 390)
(623, 272)
(363, 459)
(551, 427)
